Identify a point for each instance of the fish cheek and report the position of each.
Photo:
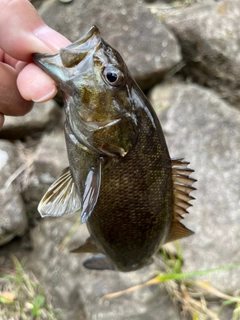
(118, 138)
(97, 105)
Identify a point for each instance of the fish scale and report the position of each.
(129, 191)
(140, 221)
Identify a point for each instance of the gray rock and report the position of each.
(49, 160)
(208, 33)
(148, 47)
(76, 291)
(42, 117)
(36, 3)
(223, 313)
(13, 220)
(205, 131)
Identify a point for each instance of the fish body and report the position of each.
(130, 192)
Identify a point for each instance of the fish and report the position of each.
(129, 192)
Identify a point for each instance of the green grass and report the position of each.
(21, 296)
(192, 297)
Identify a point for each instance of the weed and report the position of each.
(188, 294)
(21, 296)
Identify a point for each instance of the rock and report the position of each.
(42, 117)
(203, 129)
(49, 160)
(148, 47)
(36, 3)
(159, 95)
(76, 291)
(208, 33)
(223, 313)
(13, 220)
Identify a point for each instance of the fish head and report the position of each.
(97, 90)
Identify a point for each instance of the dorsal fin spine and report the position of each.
(182, 187)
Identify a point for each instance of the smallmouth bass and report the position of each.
(131, 193)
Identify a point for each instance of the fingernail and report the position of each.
(51, 38)
(47, 96)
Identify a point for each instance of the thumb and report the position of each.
(32, 35)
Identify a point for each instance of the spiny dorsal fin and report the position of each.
(182, 187)
(61, 198)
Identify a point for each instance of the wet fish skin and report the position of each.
(122, 175)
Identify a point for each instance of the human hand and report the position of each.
(22, 32)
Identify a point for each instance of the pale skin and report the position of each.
(22, 33)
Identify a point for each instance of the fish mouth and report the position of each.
(76, 52)
(56, 65)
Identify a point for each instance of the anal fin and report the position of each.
(88, 246)
(98, 261)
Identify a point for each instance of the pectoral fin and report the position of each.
(96, 262)
(61, 198)
(91, 192)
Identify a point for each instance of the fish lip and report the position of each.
(76, 52)
(93, 31)
(58, 65)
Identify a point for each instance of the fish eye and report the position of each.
(113, 76)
